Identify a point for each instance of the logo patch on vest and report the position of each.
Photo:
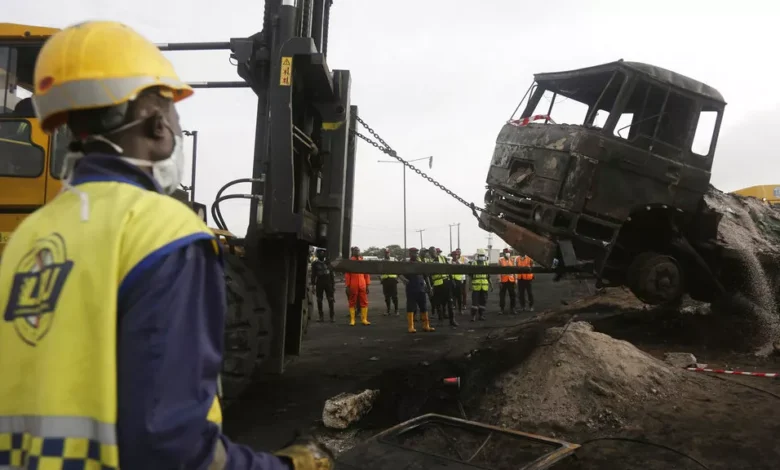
(36, 289)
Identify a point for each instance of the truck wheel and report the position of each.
(247, 327)
(655, 278)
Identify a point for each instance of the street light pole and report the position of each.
(421, 239)
(406, 250)
(194, 135)
(430, 165)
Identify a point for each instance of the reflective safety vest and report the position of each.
(527, 263)
(506, 277)
(479, 282)
(438, 279)
(458, 277)
(388, 276)
(60, 278)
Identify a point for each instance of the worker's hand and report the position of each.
(308, 454)
(366, 289)
(347, 291)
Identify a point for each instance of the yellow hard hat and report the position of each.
(98, 64)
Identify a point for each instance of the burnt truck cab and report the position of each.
(613, 183)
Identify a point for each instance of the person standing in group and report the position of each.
(357, 291)
(417, 288)
(324, 282)
(442, 289)
(458, 281)
(464, 290)
(524, 281)
(480, 284)
(390, 287)
(507, 284)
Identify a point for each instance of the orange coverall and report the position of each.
(357, 286)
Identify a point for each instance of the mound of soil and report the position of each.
(577, 378)
(750, 230)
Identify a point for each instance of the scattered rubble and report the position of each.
(581, 378)
(347, 408)
(680, 359)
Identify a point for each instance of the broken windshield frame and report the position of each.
(659, 117)
(597, 91)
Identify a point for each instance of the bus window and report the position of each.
(59, 147)
(19, 156)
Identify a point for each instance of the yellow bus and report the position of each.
(30, 160)
(768, 192)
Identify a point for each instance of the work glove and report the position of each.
(307, 454)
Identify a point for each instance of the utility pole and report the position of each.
(421, 239)
(458, 225)
(430, 165)
(490, 246)
(194, 135)
(451, 237)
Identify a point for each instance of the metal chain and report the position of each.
(385, 148)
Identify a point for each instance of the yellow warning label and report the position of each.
(285, 77)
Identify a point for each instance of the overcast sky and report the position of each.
(440, 77)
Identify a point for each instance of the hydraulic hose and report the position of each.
(216, 213)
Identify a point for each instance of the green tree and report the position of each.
(396, 251)
(373, 251)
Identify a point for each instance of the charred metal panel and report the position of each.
(541, 249)
(576, 186)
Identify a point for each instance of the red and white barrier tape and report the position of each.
(529, 119)
(770, 375)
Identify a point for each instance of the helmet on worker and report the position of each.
(321, 253)
(118, 99)
(413, 254)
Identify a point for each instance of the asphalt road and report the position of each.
(340, 358)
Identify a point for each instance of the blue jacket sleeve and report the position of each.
(171, 322)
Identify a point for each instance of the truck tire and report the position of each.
(656, 278)
(247, 328)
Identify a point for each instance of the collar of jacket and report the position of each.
(98, 167)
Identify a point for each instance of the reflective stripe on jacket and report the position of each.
(506, 277)
(388, 276)
(459, 277)
(479, 282)
(526, 262)
(438, 279)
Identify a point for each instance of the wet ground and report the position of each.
(339, 358)
(730, 423)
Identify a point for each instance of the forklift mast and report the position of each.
(304, 160)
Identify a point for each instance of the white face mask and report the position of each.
(506, 255)
(168, 172)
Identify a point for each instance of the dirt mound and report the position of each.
(578, 377)
(751, 229)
